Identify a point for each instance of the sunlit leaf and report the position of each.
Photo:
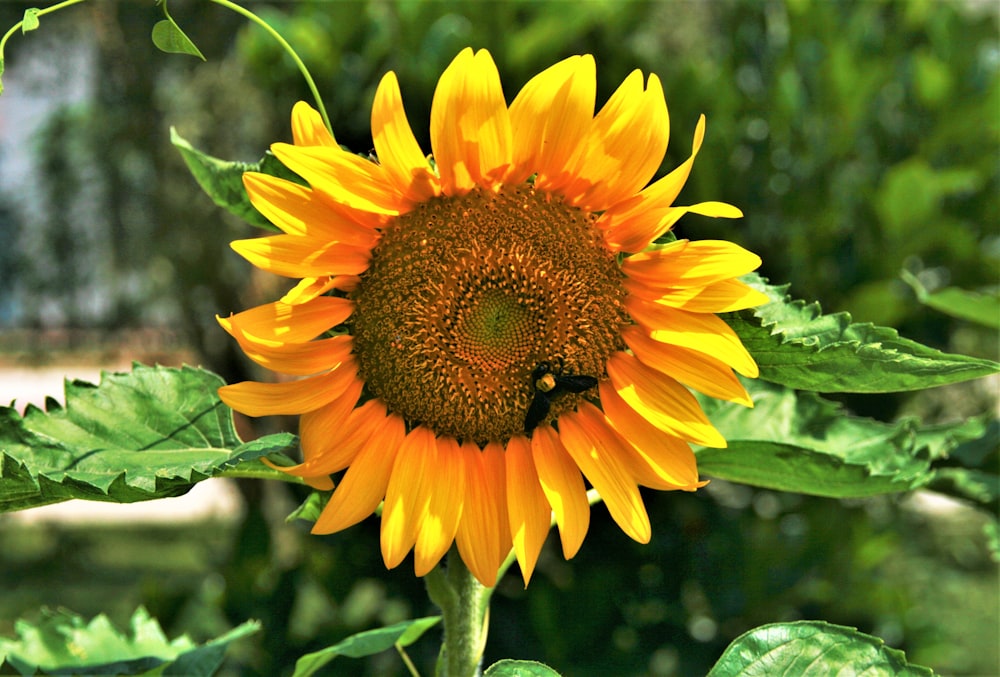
(168, 37)
(150, 433)
(30, 20)
(511, 668)
(981, 308)
(366, 643)
(222, 180)
(796, 345)
(64, 643)
(812, 648)
(799, 442)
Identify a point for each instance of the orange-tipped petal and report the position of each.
(701, 332)
(439, 522)
(481, 534)
(550, 117)
(297, 211)
(345, 181)
(692, 368)
(661, 400)
(528, 510)
(295, 256)
(563, 487)
(396, 147)
(597, 451)
(308, 128)
(281, 399)
(363, 486)
(696, 264)
(281, 323)
(470, 125)
(623, 148)
(407, 495)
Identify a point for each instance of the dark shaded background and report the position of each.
(860, 139)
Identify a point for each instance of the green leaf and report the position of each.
(981, 308)
(168, 37)
(796, 345)
(812, 648)
(222, 180)
(972, 470)
(63, 642)
(149, 433)
(30, 20)
(512, 668)
(310, 508)
(800, 442)
(366, 643)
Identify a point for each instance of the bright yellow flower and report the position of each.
(449, 311)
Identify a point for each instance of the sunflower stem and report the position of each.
(464, 604)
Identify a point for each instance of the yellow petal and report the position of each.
(364, 484)
(598, 454)
(332, 436)
(719, 297)
(527, 509)
(661, 400)
(308, 128)
(294, 397)
(701, 332)
(700, 263)
(631, 225)
(299, 359)
(437, 526)
(669, 458)
(549, 118)
(563, 487)
(282, 323)
(480, 537)
(692, 368)
(623, 148)
(397, 148)
(307, 289)
(407, 494)
(347, 182)
(470, 125)
(297, 211)
(295, 256)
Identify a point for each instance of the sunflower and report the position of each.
(483, 334)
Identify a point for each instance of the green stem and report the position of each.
(259, 471)
(464, 603)
(288, 48)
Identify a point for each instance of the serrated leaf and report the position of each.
(809, 648)
(981, 308)
(796, 345)
(62, 642)
(168, 37)
(30, 20)
(802, 443)
(222, 180)
(366, 644)
(512, 668)
(150, 433)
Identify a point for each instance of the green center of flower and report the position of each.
(465, 296)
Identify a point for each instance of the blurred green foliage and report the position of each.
(860, 139)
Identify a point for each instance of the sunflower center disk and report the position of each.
(466, 295)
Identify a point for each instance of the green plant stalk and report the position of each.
(288, 48)
(464, 604)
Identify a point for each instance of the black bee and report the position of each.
(548, 383)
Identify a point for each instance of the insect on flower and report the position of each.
(548, 383)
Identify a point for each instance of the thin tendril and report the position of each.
(38, 13)
(288, 48)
